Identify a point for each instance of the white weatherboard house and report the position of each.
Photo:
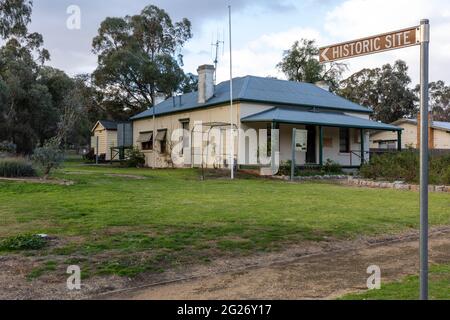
(337, 129)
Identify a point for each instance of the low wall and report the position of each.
(311, 178)
(397, 185)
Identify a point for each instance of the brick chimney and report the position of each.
(430, 131)
(205, 83)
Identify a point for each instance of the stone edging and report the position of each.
(397, 185)
(310, 178)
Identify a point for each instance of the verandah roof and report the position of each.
(328, 119)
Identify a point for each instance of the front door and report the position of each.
(311, 152)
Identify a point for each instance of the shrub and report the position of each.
(405, 166)
(285, 169)
(49, 156)
(393, 166)
(440, 169)
(331, 167)
(135, 158)
(7, 147)
(446, 176)
(16, 168)
(23, 242)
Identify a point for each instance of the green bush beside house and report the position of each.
(405, 166)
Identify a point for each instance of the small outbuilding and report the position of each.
(438, 135)
(104, 138)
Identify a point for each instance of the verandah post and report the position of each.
(399, 140)
(321, 146)
(293, 166)
(272, 147)
(363, 160)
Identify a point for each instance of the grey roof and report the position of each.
(108, 125)
(324, 118)
(441, 125)
(261, 90)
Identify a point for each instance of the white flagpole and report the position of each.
(231, 101)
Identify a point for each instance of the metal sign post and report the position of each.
(419, 35)
(424, 66)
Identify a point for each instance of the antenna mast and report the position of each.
(216, 45)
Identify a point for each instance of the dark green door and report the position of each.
(311, 152)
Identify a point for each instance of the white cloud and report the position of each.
(349, 20)
(359, 18)
(260, 56)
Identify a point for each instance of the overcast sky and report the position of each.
(263, 29)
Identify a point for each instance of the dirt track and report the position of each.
(307, 270)
(325, 275)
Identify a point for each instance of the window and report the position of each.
(146, 140)
(186, 134)
(161, 138)
(147, 145)
(344, 138)
(389, 145)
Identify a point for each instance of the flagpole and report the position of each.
(154, 136)
(231, 100)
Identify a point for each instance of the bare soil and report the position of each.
(326, 274)
(307, 270)
(127, 176)
(39, 180)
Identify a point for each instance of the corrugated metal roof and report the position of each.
(331, 119)
(441, 125)
(108, 125)
(261, 90)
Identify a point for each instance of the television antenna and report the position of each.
(216, 47)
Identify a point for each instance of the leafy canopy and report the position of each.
(139, 57)
(384, 89)
(439, 100)
(300, 63)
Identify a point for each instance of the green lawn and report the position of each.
(125, 226)
(408, 289)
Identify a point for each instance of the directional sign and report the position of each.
(383, 42)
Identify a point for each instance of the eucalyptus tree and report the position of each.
(139, 57)
(386, 90)
(300, 63)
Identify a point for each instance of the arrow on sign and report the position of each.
(323, 55)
